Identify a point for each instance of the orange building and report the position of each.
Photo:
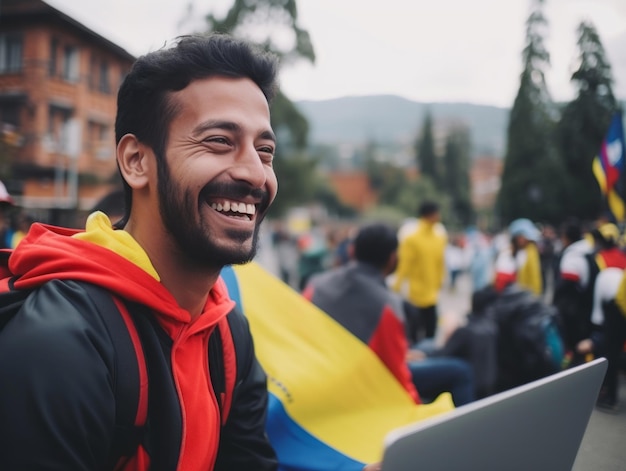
(353, 189)
(485, 177)
(58, 92)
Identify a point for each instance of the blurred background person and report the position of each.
(455, 258)
(573, 287)
(479, 255)
(357, 297)
(421, 271)
(520, 262)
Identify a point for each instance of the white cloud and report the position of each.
(449, 50)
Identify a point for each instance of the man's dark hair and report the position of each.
(572, 230)
(482, 299)
(144, 107)
(428, 208)
(374, 244)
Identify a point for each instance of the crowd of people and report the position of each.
(387, 295)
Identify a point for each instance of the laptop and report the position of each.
(534, 427)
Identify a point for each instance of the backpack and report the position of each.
(131, 384)
(529, 340)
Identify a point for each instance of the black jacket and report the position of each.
(58, 398)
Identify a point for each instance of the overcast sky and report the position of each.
(448, 50)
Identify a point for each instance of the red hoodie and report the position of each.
(51, 253)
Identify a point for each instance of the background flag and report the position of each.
(332, 401)
(608, 166)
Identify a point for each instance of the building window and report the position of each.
(10, 114)
(10, 53)
(93, 73)
(71, 65)
(98, 141)
(58, 123)
(104, 85)
(10, 124)
(54, 59)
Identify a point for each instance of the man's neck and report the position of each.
(190, 288)
(188, 283)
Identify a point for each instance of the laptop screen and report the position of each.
(537, 426)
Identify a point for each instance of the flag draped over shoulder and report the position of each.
(608, 166)
(332, 401)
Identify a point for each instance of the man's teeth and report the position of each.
(235, 207)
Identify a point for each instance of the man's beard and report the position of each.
(193, 237)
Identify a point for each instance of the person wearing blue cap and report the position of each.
(520, 262)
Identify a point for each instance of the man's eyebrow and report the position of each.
(228, 126)
(206, 125)
(269, 135)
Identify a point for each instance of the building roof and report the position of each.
(353, 189)
(14, 12)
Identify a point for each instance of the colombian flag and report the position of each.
(608, 166)
(332, 401)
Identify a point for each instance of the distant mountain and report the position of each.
(389, 119)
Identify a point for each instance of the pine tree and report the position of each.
(584, 122)
(455, 178)
(425, 147)
(530, 181)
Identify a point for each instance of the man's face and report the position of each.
(520, 241)
(218, 181)
(433, 217)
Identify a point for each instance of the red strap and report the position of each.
(142, 406)
(141, 460)
(230, 366)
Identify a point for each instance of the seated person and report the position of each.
(356, 296)
(477, 343)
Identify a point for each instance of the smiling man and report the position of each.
(194, 149)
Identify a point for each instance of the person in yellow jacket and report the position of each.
(421, 271)
(520, 263)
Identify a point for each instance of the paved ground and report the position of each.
(604, 445)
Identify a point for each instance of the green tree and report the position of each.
(424, 189)
(388, 181)
(425, 151)
(584, 122)
(455, 178)
(267, 22)
(532, 177)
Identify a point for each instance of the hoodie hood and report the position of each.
(102, 256)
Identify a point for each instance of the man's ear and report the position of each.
(392, 263)
(133, 160)
(351, 255)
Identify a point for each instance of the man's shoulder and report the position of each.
(59, 306)
(57, 322)
(329, 276)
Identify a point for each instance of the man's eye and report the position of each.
(216, 140)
